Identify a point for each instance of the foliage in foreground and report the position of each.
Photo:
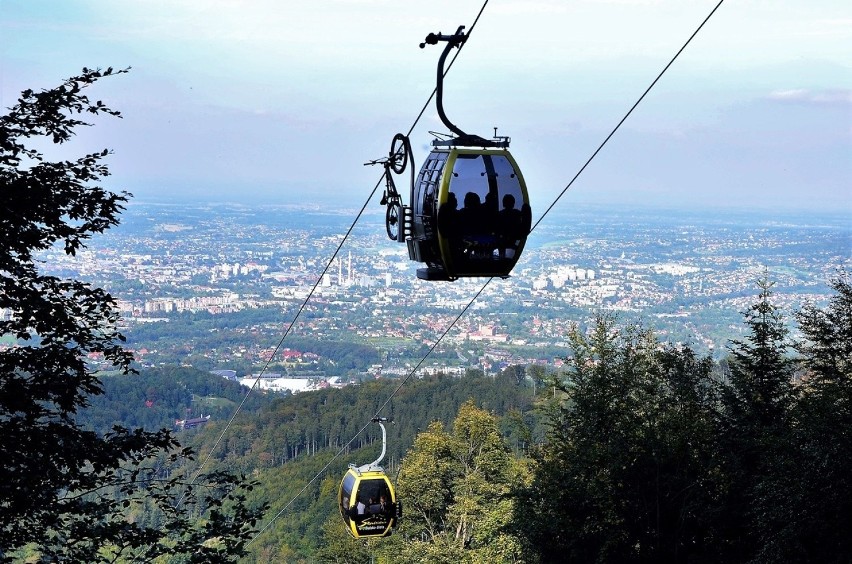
(67, 493)
(312, 522)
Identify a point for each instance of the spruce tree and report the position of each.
(806, 503)
(624, 474)
(760, 369)
(754, 425)
(826, 350)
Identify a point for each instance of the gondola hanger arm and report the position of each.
(454, 40)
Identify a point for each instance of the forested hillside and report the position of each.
(155, 398)
(637, 451)
(308, 422)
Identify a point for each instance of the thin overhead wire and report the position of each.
(630, 111)
(414, 370)
(487, 282)
(281, 342)
(325, 270)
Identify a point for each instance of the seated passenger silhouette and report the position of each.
(510, 223)
(386, 507)
(360, 511)
(448, 217)
(374, 508)
(477, 241)
(470, 216)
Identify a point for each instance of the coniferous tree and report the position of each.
(624, 473)
(754, 424)
(759, 393)
(807, 500)
(827, 346)
(65, 492)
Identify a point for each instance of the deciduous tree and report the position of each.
(65, 492)
(459, 490)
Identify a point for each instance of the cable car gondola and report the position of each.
(470, 213)
(367, 498)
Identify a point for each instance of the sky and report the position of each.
(283, 102)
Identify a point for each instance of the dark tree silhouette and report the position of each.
(827, 347)
(623, 475)
(754, 424)
(67, 493)
(760, 369)
(805, 504)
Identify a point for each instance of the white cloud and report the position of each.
(838, 96)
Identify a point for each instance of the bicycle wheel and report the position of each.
(393, 221)
(400, 148)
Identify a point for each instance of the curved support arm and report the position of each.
(375, 464)
(455, 40)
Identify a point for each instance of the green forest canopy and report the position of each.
(637, 451)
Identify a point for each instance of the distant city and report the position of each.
(217, 286)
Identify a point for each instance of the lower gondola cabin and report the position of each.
(368, 504)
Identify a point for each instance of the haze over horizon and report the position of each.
(273, 102)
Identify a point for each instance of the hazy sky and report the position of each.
(284, 101)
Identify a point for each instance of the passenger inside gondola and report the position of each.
(374, 507)
(470, 216)
(448, 220)
(510, 227)
(477, 239)
(360, 511)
